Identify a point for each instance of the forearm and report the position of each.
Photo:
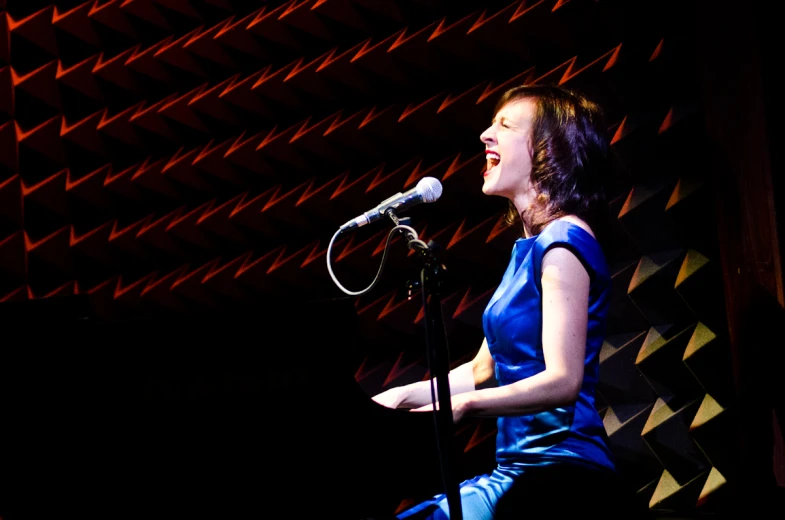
(418, 394)
(534, 394)
(461, 380)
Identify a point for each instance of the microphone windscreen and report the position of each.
(429, 188)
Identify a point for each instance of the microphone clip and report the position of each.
(412, 241)
(398, 221)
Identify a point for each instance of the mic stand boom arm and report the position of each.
(431, 281)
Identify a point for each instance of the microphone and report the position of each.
(427, 190)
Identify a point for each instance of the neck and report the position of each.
(523, 202)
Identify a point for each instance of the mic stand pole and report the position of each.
(431, 278)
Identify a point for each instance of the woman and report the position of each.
(548, 153)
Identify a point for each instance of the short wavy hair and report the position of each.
(571, 157)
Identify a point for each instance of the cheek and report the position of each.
(524, 166)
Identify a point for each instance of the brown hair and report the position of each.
(570, 157)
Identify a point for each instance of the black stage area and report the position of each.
(252, 413)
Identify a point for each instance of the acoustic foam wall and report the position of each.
(164, 156)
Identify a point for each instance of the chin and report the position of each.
(487, 185)
(488, 188)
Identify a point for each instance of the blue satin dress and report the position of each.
(512, 325)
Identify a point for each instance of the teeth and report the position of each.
(492, 159)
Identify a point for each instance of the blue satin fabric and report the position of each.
(512, 324)
(479, 496)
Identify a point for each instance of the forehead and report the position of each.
(521, 109)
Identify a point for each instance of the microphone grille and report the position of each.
(429, 188)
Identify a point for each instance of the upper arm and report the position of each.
(565, 314)
(483, 365)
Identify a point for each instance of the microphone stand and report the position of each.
(431, 277)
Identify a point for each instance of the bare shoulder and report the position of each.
(562, 259)
(563, 271)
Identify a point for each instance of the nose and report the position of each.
(488, 136)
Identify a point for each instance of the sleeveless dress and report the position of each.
(512, 324)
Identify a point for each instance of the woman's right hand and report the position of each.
(391, 398)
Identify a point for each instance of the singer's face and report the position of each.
(508, 151)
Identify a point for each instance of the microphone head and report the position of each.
(429, 189)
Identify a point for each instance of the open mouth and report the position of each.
(492, 159)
